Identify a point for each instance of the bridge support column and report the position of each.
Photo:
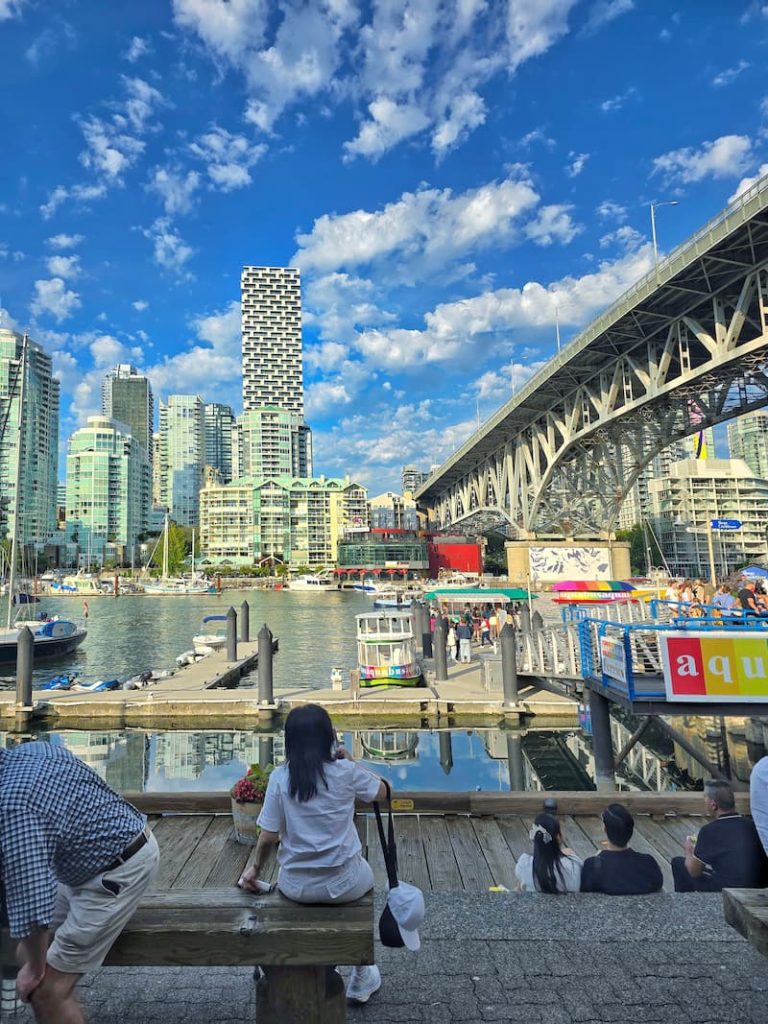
(602, 744)
(515, 762)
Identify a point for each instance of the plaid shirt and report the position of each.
(59, 822)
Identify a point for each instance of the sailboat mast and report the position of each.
(193, 554)
(19, 439)
(165, 547)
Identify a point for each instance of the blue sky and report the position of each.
(443, 172)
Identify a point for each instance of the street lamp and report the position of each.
(654, 208)
(558, 307)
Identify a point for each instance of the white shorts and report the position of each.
(341, 885)
(87, 919)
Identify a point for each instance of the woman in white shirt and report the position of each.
(553, 868)
(309, 809)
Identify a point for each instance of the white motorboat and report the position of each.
(309, 583)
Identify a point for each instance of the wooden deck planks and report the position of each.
(495, 851)
(444, 875)
(475, 875)
(411, 858)
(194, 874)
(515, 835)
(178, 835)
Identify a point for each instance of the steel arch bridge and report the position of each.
(684, 349)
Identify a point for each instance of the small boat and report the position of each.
(21, 597)
(310, 584)
(190, 657)
(366, 587)
(99, 686)
(61, 682)
(386, 649)
(393, 598)
(206, 643)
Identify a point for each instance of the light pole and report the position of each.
(558, 307)
(654, 208)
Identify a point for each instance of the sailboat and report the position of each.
(168, 585)
(53, 638)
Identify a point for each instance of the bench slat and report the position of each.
(746, 910)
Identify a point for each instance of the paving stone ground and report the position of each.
(666, 959)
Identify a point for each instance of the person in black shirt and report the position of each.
(728, 853)
(748, 600)
(619, 870)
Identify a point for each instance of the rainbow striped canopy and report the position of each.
(574, 586)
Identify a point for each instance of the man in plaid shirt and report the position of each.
(75, 859)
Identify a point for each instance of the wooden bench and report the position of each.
(295, 944)
(746, 910)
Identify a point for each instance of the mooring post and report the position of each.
(440, 651)
(525, 619)
(231, 635)
(266, 751)
(537, 622)
(602, 744)
(245, 622)
(265, 665)
(515, 762)
(508, 642)
(426, 632)
(25, 658)
(446, 750)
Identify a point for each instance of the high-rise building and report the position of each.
(182, 451)
(36, 502)
(273, 380)
(158, 471)
(126, 396)
(748, 440)
(219, 428)
(695, 492)
(108, 487)
(413, 478)
(271, 323)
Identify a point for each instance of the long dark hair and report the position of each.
(309, 737)
(547, 854)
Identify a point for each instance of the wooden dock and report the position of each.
(460, 842)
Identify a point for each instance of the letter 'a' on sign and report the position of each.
(715, 666)
(686, 668)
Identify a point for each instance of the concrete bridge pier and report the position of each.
(602, 743)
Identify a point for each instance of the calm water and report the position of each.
(127, 635)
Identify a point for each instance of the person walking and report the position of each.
(464, 633)
(309, 809)
(451, 642)
(76, 860)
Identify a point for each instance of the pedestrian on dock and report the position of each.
(619, 870)
(552, 868)
(464, 633)
(309, 810)
(727, 854)
(76, 860)
(452, 643)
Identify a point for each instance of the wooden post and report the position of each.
(301, 995)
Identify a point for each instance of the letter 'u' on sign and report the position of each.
(719, 659)
(752, 663)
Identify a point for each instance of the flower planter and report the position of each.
(244, 819)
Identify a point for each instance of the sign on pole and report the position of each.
(613, 658)
(725, 524)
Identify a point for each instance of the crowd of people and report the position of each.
(481, 625)
(696, 599)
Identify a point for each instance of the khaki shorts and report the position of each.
(88, 919)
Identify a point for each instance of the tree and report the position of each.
(638, 542)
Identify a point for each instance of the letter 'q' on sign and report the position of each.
(715, 666)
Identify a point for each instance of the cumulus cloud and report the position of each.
(63, 241)
(67, 267)
(617, 102)
(577, 164)
(10, 9)
(339, 305)
(137, 48)
(730, 74)
(171, 252)
(553, 224)
(725, 157)
(390, 122)
(748, 182)
(175, 188)
(53, 299)
(140, 305)
(79, 193)
(228, 157)
(605, 11)
(610, 210)
(212, 365)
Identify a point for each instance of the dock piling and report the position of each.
(446, 750)
(426, 631)
(266, 751)
(508, 643)
(25, 658)
(245, 622)
(602, 744)
(537, 622)
(440, 650)
(265, 665)
(515, 762)
(231, 635)
(525, 620)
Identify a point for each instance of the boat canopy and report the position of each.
(469, 595)
(214, 618)
(603, 586)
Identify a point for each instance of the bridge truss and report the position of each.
(685, 349)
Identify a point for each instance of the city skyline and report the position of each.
(451, 188)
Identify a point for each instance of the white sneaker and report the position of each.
(363, 982)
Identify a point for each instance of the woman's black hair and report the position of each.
(547, 855)
(309, 737)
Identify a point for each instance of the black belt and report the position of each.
(133, 847)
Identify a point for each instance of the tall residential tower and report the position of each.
(126, 396)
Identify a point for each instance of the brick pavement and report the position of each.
(555, 960)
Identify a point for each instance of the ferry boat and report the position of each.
(309, 583)
(386, 649)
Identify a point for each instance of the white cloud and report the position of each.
(610, 210)
(212, 367)
(390, 123)
(10, 9)
(465, 113)
(432, 226)
(748, 182)
(617, 102)
(54, 36)
(171, 252)
(730, 74)
(577, 164)
(175, 188)
(231, 29)
(137, 48)
(604, 11)
(625, 236)
(553, 224)
(456, 330)
(107, 351)
(140, 305)
(537, 135)
(53, 299)
(339, 305)
(726, 157)
(228, 157)
(80, 193)
(533, 26)
(67, 267)
(63, 241)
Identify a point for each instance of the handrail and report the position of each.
(663, 272)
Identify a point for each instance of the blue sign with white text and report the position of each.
(726, 524)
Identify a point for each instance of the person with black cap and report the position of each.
(619, 870)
